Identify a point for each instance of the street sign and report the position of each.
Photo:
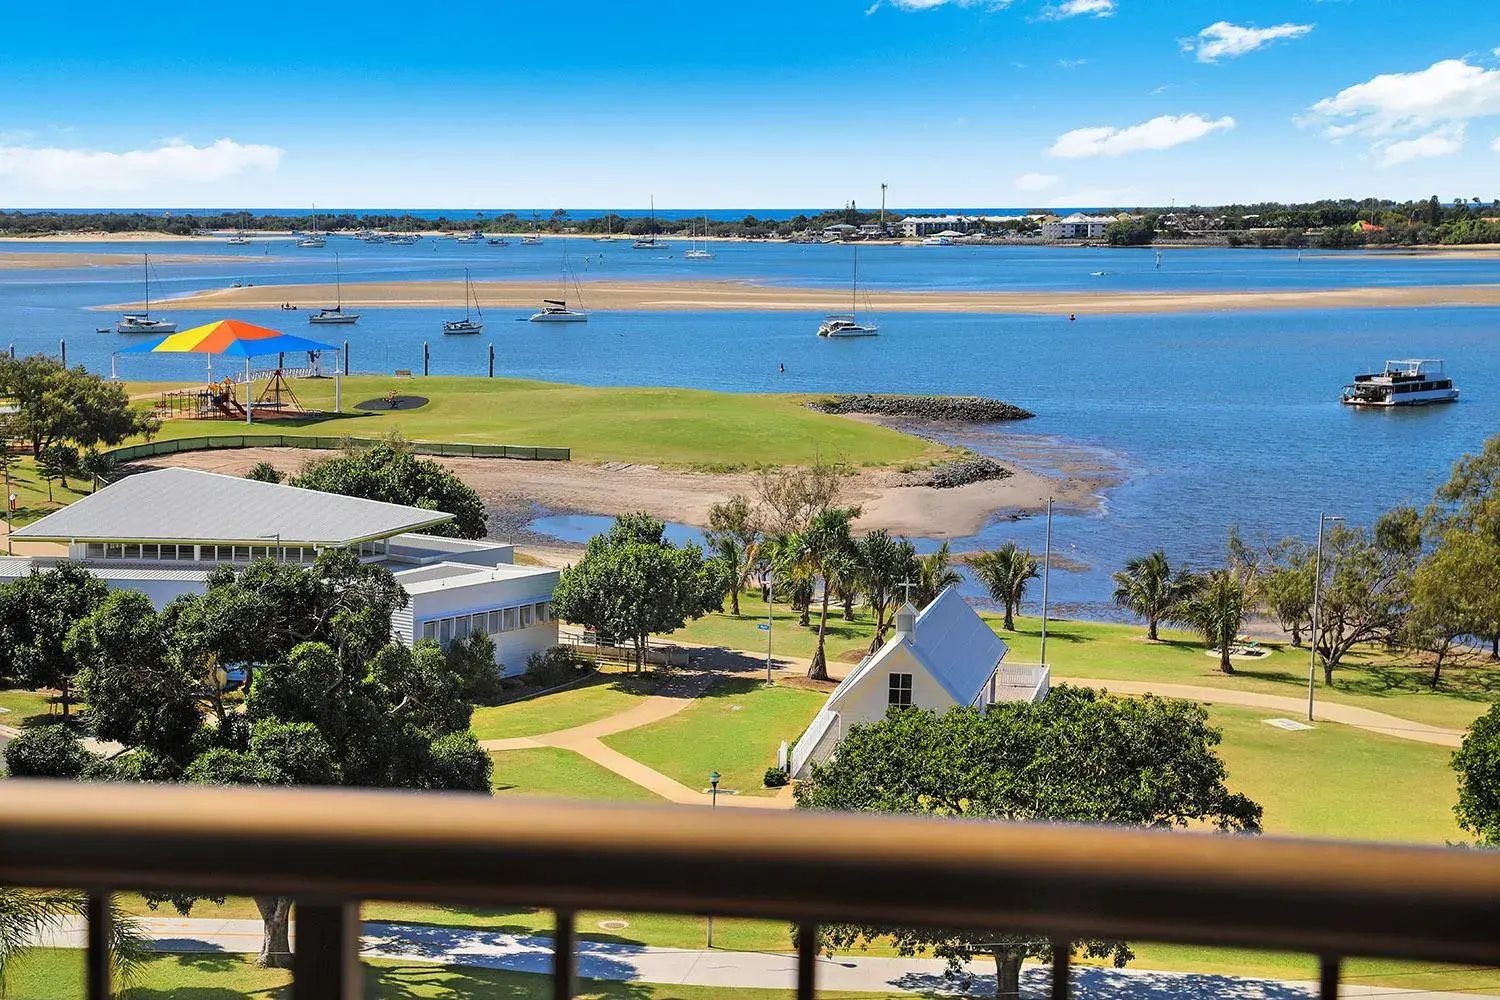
(763, 627)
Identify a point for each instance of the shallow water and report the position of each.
(1210, 419)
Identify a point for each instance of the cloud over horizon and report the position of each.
(1223, 40)
(1159, 133)
(173, 161)
(1079, 8)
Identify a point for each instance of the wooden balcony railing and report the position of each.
(330, 849)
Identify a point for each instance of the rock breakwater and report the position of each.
(965, 409)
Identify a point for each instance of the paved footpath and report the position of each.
(730, 969)
(587, 741)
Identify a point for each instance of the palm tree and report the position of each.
(726, 548)
(1147, 587)
(934, 576)
(734, 534)
(1216, 607)
(1005, 573)
(26, 913)
(846, 581)
(828, 545)
(884, 564)
(788, 557)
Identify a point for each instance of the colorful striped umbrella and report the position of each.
(240, 339)
(230, 336)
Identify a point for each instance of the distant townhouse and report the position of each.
(1077, 227)
(917, 226)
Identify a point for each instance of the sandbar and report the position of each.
(24, 261)
(674, 296)
(514, 490)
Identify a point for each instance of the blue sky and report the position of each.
(774, 104)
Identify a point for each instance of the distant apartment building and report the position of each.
(1077, 227)
(917, 226)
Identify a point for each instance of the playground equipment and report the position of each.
(220, 400)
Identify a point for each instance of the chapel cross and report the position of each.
(907, 586)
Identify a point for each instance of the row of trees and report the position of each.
(329, 698)
(1423, 581)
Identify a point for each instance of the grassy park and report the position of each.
(679, 427)
(599, 696)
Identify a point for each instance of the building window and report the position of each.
(445, 631)
(429, 630)
(494, 622)
(525, 616)
(510, 619)
(94, 550)
(900, 691)
(543, 612)
(461, 627)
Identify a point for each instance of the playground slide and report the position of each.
(228, 405)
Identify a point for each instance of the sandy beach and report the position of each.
(23, 261)
(664, 296)
(514, 490)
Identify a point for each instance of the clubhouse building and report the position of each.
(162, 533)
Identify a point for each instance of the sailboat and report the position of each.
(848, 324)
(699, 252)
(556, 310)
(650, 242)
(533, 240)
(142, 322)
(609, 230)
(313, 240)
(469, 324)
(336, 315)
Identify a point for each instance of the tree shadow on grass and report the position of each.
(204, 963)
(415, 981)
(734, 686)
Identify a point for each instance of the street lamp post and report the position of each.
(770, 621)
(1046, 578)
(713, 803)
(1312, 656)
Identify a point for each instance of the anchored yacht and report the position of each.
(1412, 382)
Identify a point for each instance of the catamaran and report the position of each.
(1411, 382)
(142, 322)
(335, 315)
(556, 310)
(841, 325)
(699, 252)
(470, 323)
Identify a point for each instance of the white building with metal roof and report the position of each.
(944, 657)
(162, 532)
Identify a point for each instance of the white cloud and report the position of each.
(1159, 133)
(933, 4)
(1407, 116)
(1071, 63)
(1443, 142)
(1079, 8)
(173, 161)
(1495, 145)
(1041, 182)
(1223, 40)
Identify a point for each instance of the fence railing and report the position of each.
(135, 452)
(330, 849)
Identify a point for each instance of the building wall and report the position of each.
(514, 644)
(868, 699)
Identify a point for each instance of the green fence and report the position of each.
(134, 452)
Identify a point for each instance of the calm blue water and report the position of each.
(1209, 420)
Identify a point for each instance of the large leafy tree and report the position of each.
(1078, 757)
(1468, 504)
(1284, 586)
(391, 472)
(1453, 596)
(632, 582)
(830, 549)
(885, 563)
(335, 701)
(1216, 609)
(36, 613)
(1005, 573)
(1149, 588)
(1366, 594)
(55, 405)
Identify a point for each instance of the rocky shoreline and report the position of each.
(951, 475)
(967, 409)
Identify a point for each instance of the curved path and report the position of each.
(586, 740)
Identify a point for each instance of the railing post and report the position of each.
(807, 961)
(492, 361)
(565, 956)
(426, 355)
(346, 357)
(1329, 972)
(100, 931)
(1062, 969)
(325, 957)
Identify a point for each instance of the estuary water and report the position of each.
(1204, 420)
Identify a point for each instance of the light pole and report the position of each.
(770, 621)
(1312, 656)
(277, 536)
(713, 803)
(1046, 578)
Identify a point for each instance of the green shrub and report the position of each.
(558, 665)
(776, 778)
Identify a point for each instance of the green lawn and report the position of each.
(787, 637)
(560, 774)
(58, 975)
(31, 492)
(682, 427)
(734, 729)
(600, 696)
(1338, 781)
(24, 705)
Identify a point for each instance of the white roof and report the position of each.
(958, 649)
(441, 576)
(185, 505)
(1078, 217)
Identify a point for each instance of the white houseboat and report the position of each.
(1412, 382)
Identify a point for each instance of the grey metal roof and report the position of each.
(957, 646)
(185, 505)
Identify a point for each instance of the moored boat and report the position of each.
(1409, 382)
